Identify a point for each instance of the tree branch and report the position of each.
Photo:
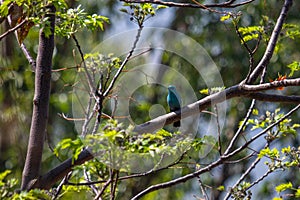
(15, 15)
(13, 29)
(247, 91)
(214, 164)
(228, 4)
(274, 98)
(112, 83)
(40, 106)
(234, 91)
(50, 178)
(272, 85)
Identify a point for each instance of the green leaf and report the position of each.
(225, 17)
(4, 8)
(286, 150)
(221, 188)
(4, 174)
(204, 91)
(213, 90)
(250, 32)
(32, 194)
(161, 7)
(294, 66)
(255, 112)
(124, 10)
(274, 153)
(284, 186)
(296, 126)
(297, 194)
(164, 133)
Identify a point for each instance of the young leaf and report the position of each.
(284, 186)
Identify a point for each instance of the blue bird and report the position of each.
(174, 101)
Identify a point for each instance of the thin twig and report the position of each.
(265, 175)
(241, 128)
(239, 160)
(249, 112)
(114, 79)
(272, 85)
(87, 178)
(30, 59)
(152, 171)
(28, 56)
(219, 130)
(202, 189)
(207, 8)
(114, 185)
(103, 189)
(89, 78)
(246, 173)
(13, 29)
(250, 52)
(178, 180)
(88, 114)
(272, 43)
(100, 95)
(62, 183)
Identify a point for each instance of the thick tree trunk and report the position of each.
(31, 170)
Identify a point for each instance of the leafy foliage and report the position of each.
(75, 146)
(116, 139)
(141, 12)
(288, 186)
(7, 186)
(294, 66)
(71, 20)
(241, 192)
(250, 33)
(32, 194)
(284, 128)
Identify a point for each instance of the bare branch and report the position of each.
(228, 4)
(13, 29)
(89, 78)
(178, 180)
(241, 128)
(60, 186)
(234, 91)
(272, 85)
(219, 130)
(30, 59)
(274, 98)
(109, 88)
(103, 189)
(15, 14)
(46, 181)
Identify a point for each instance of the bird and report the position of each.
(174, 101)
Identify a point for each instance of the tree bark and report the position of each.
(32, 166)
